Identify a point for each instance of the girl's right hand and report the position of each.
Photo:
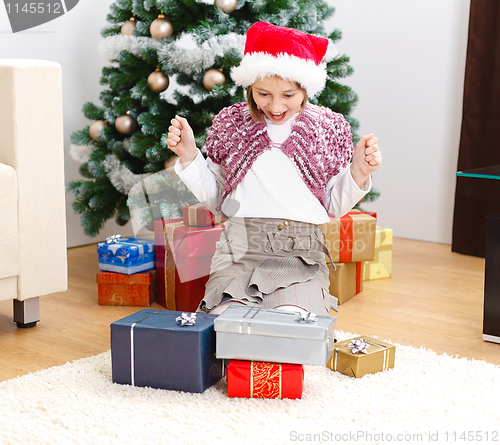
(181, 140)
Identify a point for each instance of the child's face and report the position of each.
(278, 98)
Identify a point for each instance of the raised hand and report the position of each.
(181, 140)
(366, 159)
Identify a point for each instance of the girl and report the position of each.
(278, 167)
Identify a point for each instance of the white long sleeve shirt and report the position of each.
(272, 188)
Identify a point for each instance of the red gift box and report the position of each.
(199, 215)
(116, 289)
(193, 248)
(264, 380)
(183, 258)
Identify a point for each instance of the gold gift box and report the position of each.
(351, 238)
(381, 266)
(346, 280)
(380, 357)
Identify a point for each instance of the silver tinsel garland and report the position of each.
(120, 176)
(201, 58)
(185, 60)
(81, 153)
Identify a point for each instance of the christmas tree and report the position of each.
(174, 57)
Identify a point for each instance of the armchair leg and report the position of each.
(26, 312)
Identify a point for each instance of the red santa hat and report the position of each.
(286, 52)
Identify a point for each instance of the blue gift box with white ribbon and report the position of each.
(165, 349)
(127, 256)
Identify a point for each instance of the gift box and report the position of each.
(362, 355)
(127, 256)
(381, 266)
(116, 289)
(184, 263)
(199, 215)
(374, 214)
(153, 348)
(270, 335)
(346, 280)
(351, 238)
(165, 267)
(264, 380)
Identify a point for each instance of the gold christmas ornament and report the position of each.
(95, 128)
(158, 81)
(213, 77)
(128, 28)
(228, 6)
(126, 124)
(161, 28)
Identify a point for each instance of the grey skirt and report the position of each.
(270, 262)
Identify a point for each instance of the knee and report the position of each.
(289, 307)
(222, 307)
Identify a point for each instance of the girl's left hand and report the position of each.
(365, 160)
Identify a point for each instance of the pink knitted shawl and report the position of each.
(320, 145)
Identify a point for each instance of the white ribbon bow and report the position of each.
(358, 345)
(309, 317)
(186, 319)
(113, 238)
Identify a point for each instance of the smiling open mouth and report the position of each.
(277, 116)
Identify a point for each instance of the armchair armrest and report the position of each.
(9, 239)
(31, 135)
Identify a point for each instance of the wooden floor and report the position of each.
(434, 299)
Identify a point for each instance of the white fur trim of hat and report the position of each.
(285, 52)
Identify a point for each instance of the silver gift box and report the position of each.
(270, 335)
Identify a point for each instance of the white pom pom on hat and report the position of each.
(272, 50)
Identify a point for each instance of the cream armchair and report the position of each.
(33, 256)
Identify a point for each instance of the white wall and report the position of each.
(71, 41)
(408, 56)
(409, 61)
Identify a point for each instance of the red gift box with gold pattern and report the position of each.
(199, 215)
(116, 289)
(346, 280)
(264, 380)
(351, 238)
(183, 258)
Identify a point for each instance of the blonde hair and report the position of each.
(255, 111)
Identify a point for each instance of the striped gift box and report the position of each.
(351, 238)
(198, 215)
(379, 356)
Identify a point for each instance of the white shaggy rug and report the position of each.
(425, 398)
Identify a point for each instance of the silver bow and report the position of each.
(308, 317)
(186, 319)
(113, 238)
(358, 345)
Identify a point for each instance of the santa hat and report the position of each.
(286, 52)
